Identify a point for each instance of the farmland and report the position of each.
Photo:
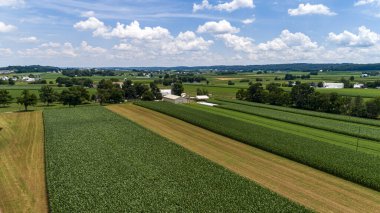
(348, 128)
(299, 183)
(361, 145)
(348, 164)
(22, 177)
(116, 164)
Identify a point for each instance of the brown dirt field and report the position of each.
(22, 177)
(309, 187)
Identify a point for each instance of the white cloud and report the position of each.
(51, 44)
(365, 2)
(5, 28)
(311, 9)
(31, 39)
(11, 3)
(92, 23)
(227, 6)
(5, 52)
(364, 38)
(50, 50)
(248, 21)
(221, 27)
(88, 14)
(238, 43)
(187, 41)
(134, 31)
(92, 50)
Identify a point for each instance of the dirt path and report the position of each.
(307, 186)
(22, 177)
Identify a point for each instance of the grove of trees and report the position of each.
(305, 97)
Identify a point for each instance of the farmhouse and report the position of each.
(175, 99)
(333, 85)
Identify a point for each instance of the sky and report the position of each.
(113, 33)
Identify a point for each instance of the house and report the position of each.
(165, 92)
(358, 86)
(364, 75)
(120, 84)
(175, 99)
(333, 85)
(202, 97)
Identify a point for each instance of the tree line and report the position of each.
(107, 92)
(304, 96)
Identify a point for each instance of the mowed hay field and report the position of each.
(98, 161)
(22, 178)
(309, 187)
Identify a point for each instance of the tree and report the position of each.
(358, 108)
(352, 78)
(26, 99)
(230, 83)
(11, 82)
(148, 96)
(155, 91)
(202, 91)
(140, 89)
(373, 108)
(177, 88)
(301, 95)
(241, 94)
(47, 95)
(129, 90)
(256, 93)
(74, 96)
(5, 97)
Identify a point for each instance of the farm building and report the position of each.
(175, 99)
(165, 92)
(358, 86)
(333, 85)
(202, 97)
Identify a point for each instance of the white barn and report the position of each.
(333, 85)
(175, 99)
(202, 97)
(165, 92)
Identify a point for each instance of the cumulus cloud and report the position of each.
(364, 38)
(187, 41)
(134, 31)
(92, 50)
(49, 50)
(11, 3)
(31, 39)
(366, 2)
(311, 9)
(227, 6)
(221, 27)
(5, 52)
(92, 23)
(238, 43)
(248, 21)
(5, 28)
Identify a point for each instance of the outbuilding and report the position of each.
(333, 85)
(202, 97)
(175, 99)
(165, 92)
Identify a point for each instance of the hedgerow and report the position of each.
(97, 161)
(354, 166)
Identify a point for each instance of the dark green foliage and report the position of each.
(74, 96)
(115, 165)
(202, 91)
(301, 95)
(47, 95)
(69, 82)
(346, 163)
(107, 92)
(177, 88)
(26, 99)
(5, 97)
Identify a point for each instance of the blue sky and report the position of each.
(192, 32)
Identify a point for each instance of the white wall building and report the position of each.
(202, 97)
(165, 92)
(333, 85)
(358, 86)
(175, 99)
